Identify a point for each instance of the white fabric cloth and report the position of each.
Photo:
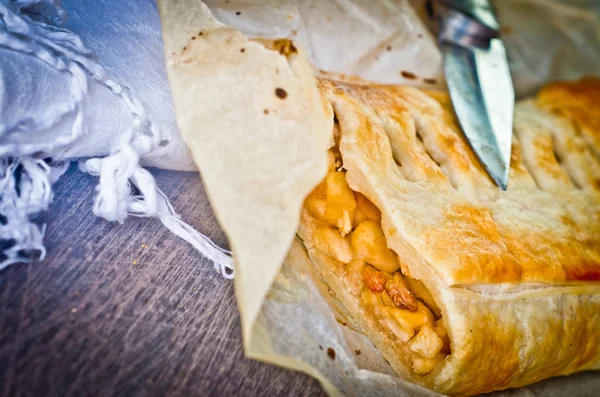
(86, 81)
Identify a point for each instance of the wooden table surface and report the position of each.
(127, 310)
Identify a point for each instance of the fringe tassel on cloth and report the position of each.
(26, 178)
(25, 190)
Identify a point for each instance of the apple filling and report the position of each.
(346, 227)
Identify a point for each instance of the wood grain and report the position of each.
(127, 310)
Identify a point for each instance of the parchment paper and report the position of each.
(378, 40)
(260, 151)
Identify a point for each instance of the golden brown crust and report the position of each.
(579, 102)
(514, 339)
(515, 274)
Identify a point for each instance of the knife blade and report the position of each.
(483, 100)
(482, 94)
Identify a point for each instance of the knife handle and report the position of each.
(480, 10)
(459, 28)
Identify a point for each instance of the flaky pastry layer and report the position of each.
(514, 274)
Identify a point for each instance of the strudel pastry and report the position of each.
(464, 289)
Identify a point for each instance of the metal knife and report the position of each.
(479, 82)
